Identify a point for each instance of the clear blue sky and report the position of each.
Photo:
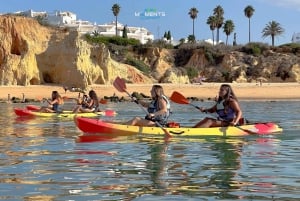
(176, 19)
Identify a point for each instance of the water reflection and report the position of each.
(170, 171)
(157, 167)
(52, 159)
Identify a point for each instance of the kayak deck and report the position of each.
(90, 125)
(66, 114)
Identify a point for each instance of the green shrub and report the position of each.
(254, 48)
(140, 65)
(295, 47)
(111, 39)
(192, 72)
(210, 57)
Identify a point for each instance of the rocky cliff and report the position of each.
(31, 54)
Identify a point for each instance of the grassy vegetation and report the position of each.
(113, 40)
(130, 51)
(192, 72)
(140, 65)
(255, 49)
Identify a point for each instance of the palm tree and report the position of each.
(181, 41)
(272, 29)
(191, 39)
(228, 28)
(249, 10)
(116, 10)
(193, 14)
(219, 12)
(96, 33)
(212, 22)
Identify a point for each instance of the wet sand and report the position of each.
(244, 91)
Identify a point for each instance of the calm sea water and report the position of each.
(46, 159)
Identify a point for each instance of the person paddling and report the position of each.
(90, 105)
(55, 104)
(227, 108)
(158, 109)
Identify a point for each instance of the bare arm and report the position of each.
(143, 103)
(238, 112)
(163, 108)
(210, 110)
(53, 102)
(90, 103)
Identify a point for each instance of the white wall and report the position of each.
(296, 38)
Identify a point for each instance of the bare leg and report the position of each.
(43, 109)
(76, 109)
(137, 121)
(205, 123)
(133, 121)
(49, 110)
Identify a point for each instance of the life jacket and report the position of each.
(154, 107)
(227, 115)
(57, 107)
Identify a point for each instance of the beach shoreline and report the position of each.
(205, 91)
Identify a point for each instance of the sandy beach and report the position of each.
(244, 91)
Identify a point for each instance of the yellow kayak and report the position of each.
(90, 125)
(66, 114)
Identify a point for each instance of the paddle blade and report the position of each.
(103, 101)
(119, 84)
(179, 98)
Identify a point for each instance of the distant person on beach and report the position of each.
(227, 108)
(55, 104)
(90, 104)
(158, 109)
(199, 79)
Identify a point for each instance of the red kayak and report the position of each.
(33, 107)
(66, 114)
(92, 125)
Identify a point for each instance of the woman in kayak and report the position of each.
(227, 108)
(90, 105)
(158, 109)
(55, 104)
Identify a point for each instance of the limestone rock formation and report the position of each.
(31, 54)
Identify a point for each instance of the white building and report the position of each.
(31, 13)
(68, 19)
(56, 18)
(296, 38)
(61, 18)
(139, 33)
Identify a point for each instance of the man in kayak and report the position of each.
(227, 108)
(158, 109)
(91, 105)
(55, 105)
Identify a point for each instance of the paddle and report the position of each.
(103, 101)
(120, 85)
(180, 99)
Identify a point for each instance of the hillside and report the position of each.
(31, 54)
